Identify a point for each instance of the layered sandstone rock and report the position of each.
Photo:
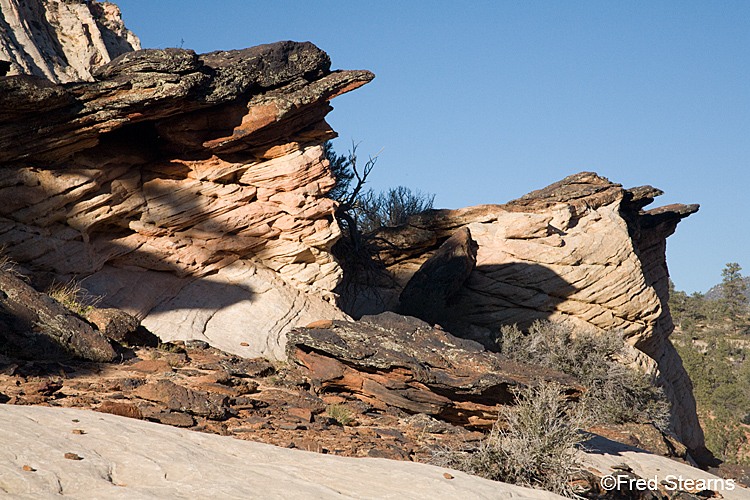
(394, 361)
(580, 250)
(61, 40)
(188, 190)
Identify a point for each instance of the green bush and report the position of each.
(340, 414)
(390, 208)
(73, 297)
(720, 373)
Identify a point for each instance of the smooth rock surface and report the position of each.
(608, 457)
(123, 458)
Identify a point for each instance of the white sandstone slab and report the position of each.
(132, 459)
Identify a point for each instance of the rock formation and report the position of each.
(580, 250)
(397, 361)
(190, 191)
(61, 40)
(187, 190)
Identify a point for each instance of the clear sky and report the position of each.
(482, 102)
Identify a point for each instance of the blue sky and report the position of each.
(482, 102)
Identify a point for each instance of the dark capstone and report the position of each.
(264, 66)
(392, 321)
(169, 60)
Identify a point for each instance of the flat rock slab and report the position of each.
(608, 457)
(402, 362)
(122, 458)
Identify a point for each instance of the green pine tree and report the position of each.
(734, 295)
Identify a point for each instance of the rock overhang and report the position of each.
(173, 167)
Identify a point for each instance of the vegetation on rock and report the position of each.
(614, 393)
(534, 443)
(340, 414)
(362, 212)
(367, 211)
(390, 208)
(73, 296)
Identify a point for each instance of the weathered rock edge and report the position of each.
(61, 40)
(34, 326)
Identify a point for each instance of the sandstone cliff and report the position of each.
(580, 250)
(61, 40)
(188, 190)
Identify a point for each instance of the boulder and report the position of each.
(582, 250)
(115, 324)
(427, 293)
(394, 361)
(34, 326)
(178, 398)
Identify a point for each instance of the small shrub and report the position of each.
(73, 297)
(615, 393)
(534, 443)
(340, 414)
(175, 363)
(390, 208)
(8, 265)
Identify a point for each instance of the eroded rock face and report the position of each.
(61, 40)
(580, 250)
(188, 190)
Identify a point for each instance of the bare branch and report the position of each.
(361, 178)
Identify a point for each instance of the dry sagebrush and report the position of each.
(614, 392)
(533, 444)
